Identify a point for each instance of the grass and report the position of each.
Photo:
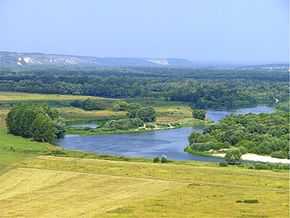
(20, 96)
(35, 183)
(14, 149)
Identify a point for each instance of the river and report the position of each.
(149, 144)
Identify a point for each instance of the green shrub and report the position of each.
(147, 114)
(163, 159)
(233, 156)
(156, 160)
(223, 164)
(89, 104)
(150, 125)
(278, 154)
(199, 114)
(120, 106)
(124, 124)
(243, 150)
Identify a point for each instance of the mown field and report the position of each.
(70, 187)
(36, 183)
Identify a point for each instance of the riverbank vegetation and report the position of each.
(265, 134)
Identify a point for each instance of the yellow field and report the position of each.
(173, 114)
(71, 113)
(20, 96)
(70, 187)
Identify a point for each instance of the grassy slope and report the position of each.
(71, 187)
(14, 149)
(48, 186)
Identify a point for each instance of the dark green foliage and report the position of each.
(43, 129)
(156, 160)
(199, 114)
(124, 124)
(120, 106)
(265, 134)
(88, 104)
(163, 159)
(147, 114)
(35, 121)
(278, 154)
(202, 88)
(233, 156)
(266, 166)
(223, 164)
(133, 109)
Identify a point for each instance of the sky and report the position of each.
(204, 31)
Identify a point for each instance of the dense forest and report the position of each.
(265, 134)
(203, 88)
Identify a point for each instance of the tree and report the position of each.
(233, 156)
(133, 109)
(147, 114)
(120, 106)
(89, 104)
(43, 129)
(35, 121)
(199, 114)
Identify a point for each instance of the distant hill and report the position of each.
(22, 60)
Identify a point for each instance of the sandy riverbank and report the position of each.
(259, 158)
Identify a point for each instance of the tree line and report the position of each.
(204, 88)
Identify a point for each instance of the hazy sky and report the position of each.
(226, 31)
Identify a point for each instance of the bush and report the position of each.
(124, 124)
(156, 160)
(89, 104)
(223, 164)
(243, 150)
(278, 154)
(233, 156)
(147, 114)
(120, 106)
(163, 159)
(150, 126)
(199, 114)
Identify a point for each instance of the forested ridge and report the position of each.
(203, 88)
